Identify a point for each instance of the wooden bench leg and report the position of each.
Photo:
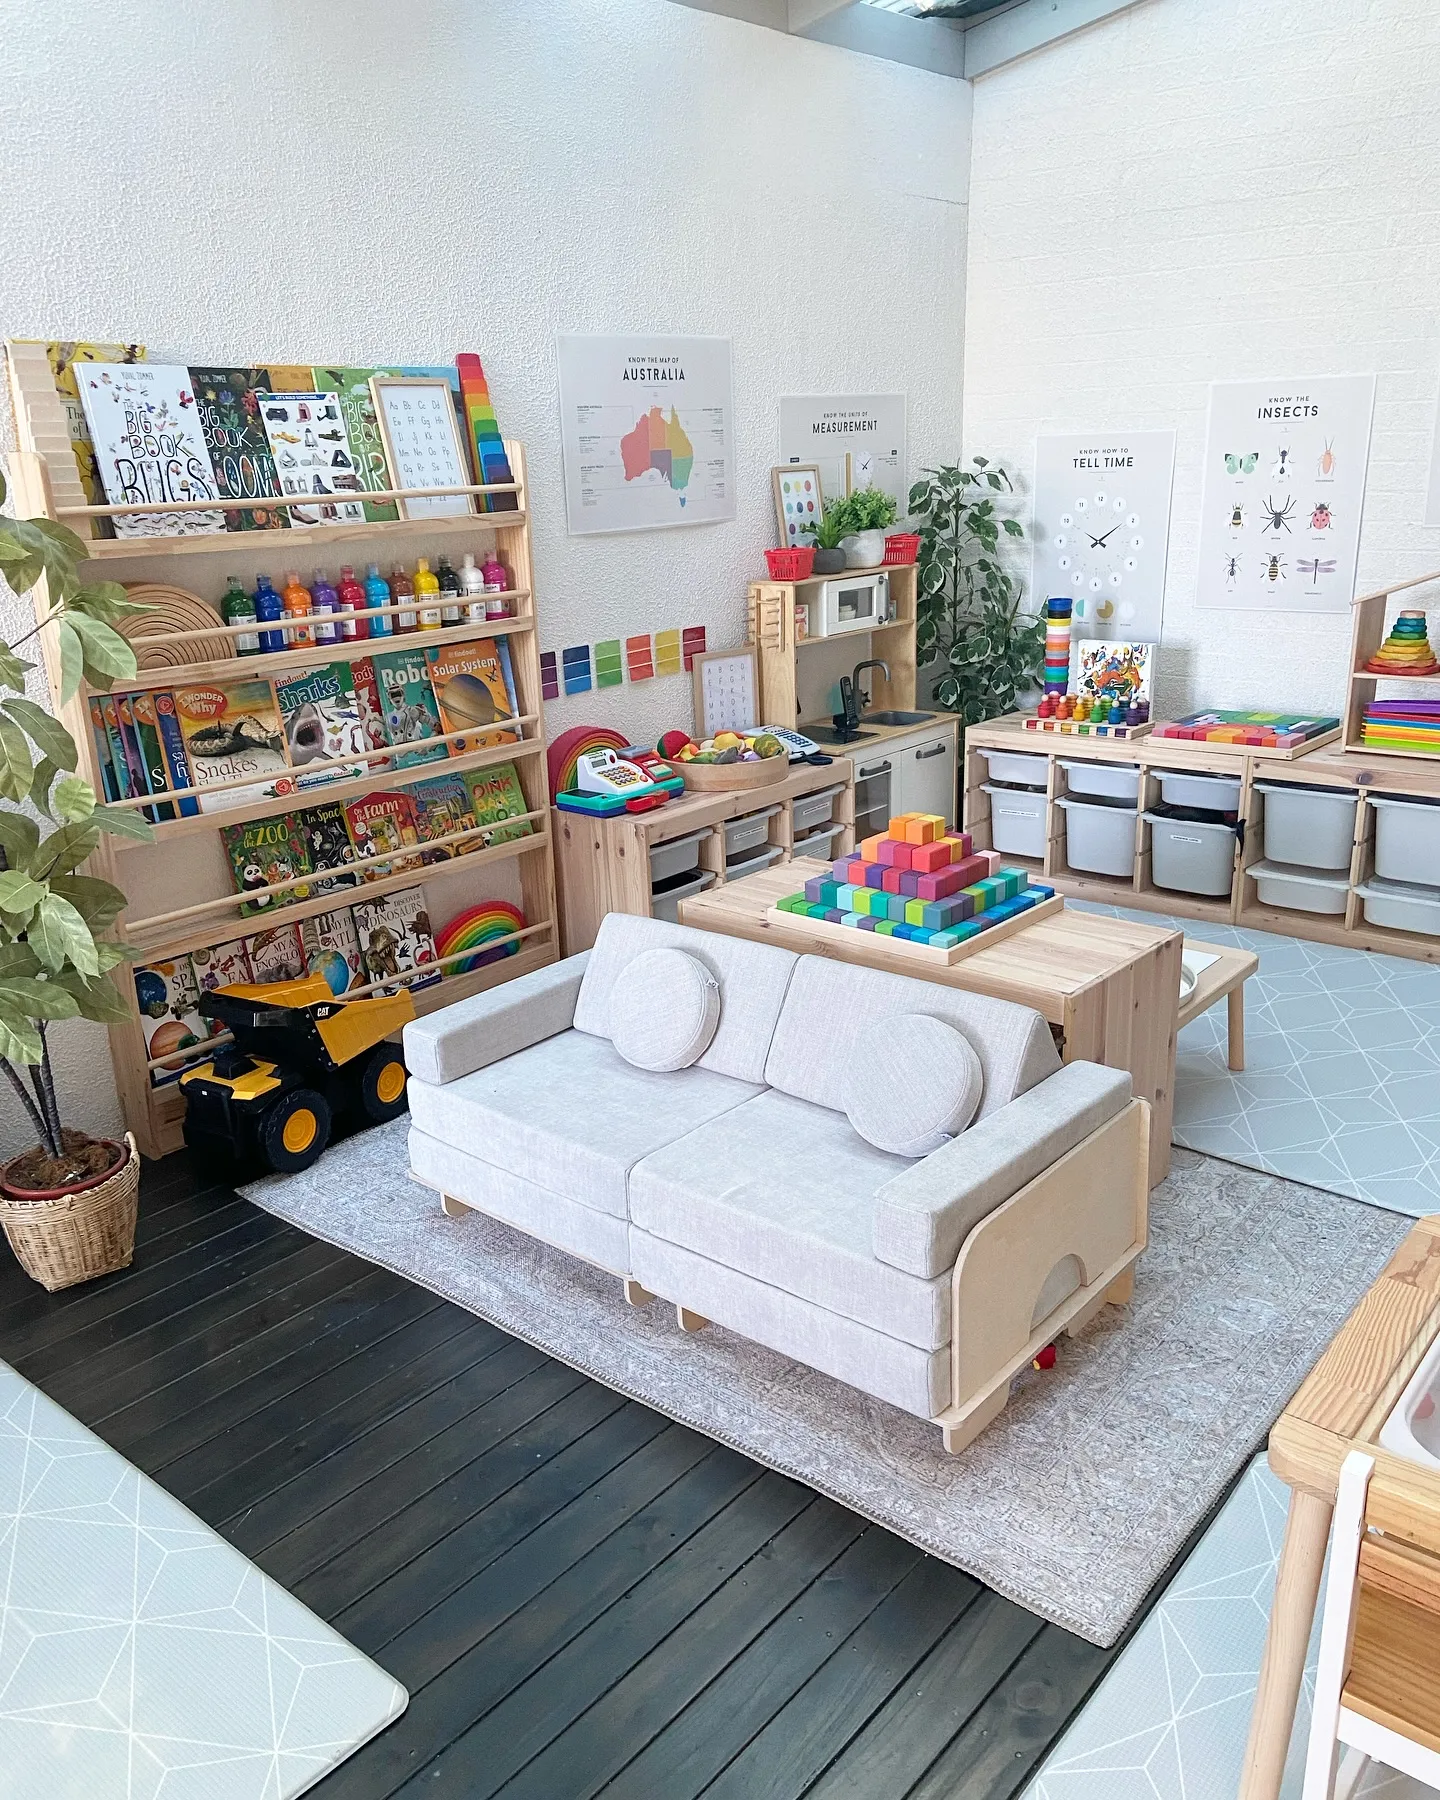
(959, 1437)
(453, 1209)
(635, 1294)
(1235, 1005)
(689, 1321)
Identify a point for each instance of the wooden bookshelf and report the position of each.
(181, 896)
(1371, 619)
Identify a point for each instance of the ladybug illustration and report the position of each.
(1320, 517)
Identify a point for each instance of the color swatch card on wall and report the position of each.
(312, 452)
(149, 445)
(1285, 467)
(229, 406)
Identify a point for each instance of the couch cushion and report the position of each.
(916, 1086)
(753, 979)
(664, 1008)
(571, 1115)
(785, 1191)
(830, 1005)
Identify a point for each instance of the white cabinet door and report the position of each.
(922, 777)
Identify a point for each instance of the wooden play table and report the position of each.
(1341, 1406)
(1223, 979)
(1108, 988)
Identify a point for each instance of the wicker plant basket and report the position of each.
(76, 1236)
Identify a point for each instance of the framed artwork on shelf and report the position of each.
(798, 502)
(423, 445)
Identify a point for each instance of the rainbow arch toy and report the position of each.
(477, 926)
(563, 757)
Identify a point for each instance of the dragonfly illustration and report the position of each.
(1316, 566)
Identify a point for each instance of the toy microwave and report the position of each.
(850, 603)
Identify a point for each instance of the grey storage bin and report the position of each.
(1111, 781)
(1402, 906)
(750, 865)
(1213, 793)
(820, 843)
(1017, 821)
(1191, 857)
(811, 810)
(1298, 889)
(1314, 827)
(677, 856)
(1013, 766)
(1099, 839)
(1407, 840)
(666, 904)
(748, 833)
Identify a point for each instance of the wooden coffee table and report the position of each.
(1108, 988)
(1223, 979)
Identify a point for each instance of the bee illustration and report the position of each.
(1320, 517)
(1279, 515)
(1237, 517)
(1232, 571)
(1274, 570)
(1326, 464)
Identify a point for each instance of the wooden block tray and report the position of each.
(1085, 728)
(924, 955)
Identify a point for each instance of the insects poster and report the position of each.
(1284, 489)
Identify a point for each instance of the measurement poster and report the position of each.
(1284, 487)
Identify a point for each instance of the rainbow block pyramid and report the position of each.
(1407, 649)
(920, 882)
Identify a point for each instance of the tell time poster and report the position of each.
(1284, 486)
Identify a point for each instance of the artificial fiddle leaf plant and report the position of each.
(52, 964)
(969, 621)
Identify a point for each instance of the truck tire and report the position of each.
(383, 1090)
(295, 1131)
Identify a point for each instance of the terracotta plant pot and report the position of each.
(828, 562)
(70, 1234)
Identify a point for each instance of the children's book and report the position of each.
(130, 750)
(232, 731)
(62, 358)
(321, 716)
(381, 824)
(395, 939)
(152, 752)
(473, 685)
(262, 852)
(168, 995)
(408, 703)
(357, 404)
(172, 743)
(222, 965)
(149, 447)
(372, 712)
(1119, 673)
(313, 456)
(327, 843)
(276, 955)
(442, 806)
(119, 762)
(110, 786)
(496, 795)
(332, 949)
(229, 406)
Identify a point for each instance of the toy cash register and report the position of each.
(608, 783)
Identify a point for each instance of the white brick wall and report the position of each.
(1190, 192)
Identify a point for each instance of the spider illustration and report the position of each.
(1320, 517)
(1237, 517)
(1232, 570)
(1279, 515)
(1274, 570)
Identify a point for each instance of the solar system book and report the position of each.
(474, 686)
(407, 702)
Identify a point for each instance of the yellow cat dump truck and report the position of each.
(299, 1056)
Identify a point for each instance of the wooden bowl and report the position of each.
(736, 777)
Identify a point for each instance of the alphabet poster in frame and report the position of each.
(423, 445)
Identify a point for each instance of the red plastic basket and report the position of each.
(902, 547)
(792, 565)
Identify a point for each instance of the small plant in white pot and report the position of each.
(868, 514)
(68, 1203)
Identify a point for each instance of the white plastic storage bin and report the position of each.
(1314, 827)
(811, 810)
(751, 865)
(1191, 858)
(1017, 821)
(674, 858)
(1402, 906)
(748, 833)
(1407, 840)
(1023, 771)
(1297, 889)
(820, 843)
(1212, 793)
(1112, 781)
(665, 903)
(1099, 839)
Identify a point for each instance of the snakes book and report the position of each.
(474, 686)
(232, 732)
(407, 701)
(228, 401)
(263, 852)
(396, 940)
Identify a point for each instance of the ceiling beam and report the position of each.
(932, 44)
(991, 42)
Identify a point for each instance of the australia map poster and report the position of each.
(647, 429)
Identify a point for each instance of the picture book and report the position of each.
(496, 794)
(152, 753)
(395, 939)
(372, 713)
(119, 762)
(357, 405)
(442, 806)
(332, 949)
(380, 825)
(262, 852)
(229, 405)
(1119, 673)
(327, 843)
(168, 996)
(322, 722)
(104, 768)
(408, 703)
(276, 955)
(149, 447)
(231, 731)
(312, 454)
(62, 358)
(130, 749)
(473, 686)
(172, 743)
(222, 965)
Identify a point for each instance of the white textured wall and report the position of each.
(366, 182)
(1186, 193)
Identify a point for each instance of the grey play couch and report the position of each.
(738, 1190)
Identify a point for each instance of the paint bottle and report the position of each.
(268, 607)
(377, 593)
(237, 608)
(352, 600)
(296, 601)
(497, 581)
(402, 588)
(325, 604)
(472, 590)
(449, 592)
(427, 596)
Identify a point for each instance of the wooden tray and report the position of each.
(1213, 747)
(733, 778)
(924, 955)
(1086, 728)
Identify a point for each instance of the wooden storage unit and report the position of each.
(181, 894)
(1371, 621)
(604, 865)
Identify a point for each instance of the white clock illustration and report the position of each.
(863, 469)
(1096, 547)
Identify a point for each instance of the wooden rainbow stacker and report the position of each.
(925, 888)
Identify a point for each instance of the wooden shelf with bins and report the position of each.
(770, 629)
(1370, 622)
(154, 1114)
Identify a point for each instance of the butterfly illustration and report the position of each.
(1241, 465)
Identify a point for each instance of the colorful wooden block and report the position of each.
(874, 875)
(896, 855)
(864, 923)
(914, 912)
(922, 828)
(928, 858)
(870, 847)
(961, 845)
(950, 881)
(992, 858)
(884, 928)
(845, 897)
(891, 879)
(842, 866)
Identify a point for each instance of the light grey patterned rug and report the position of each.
(1075, 1500)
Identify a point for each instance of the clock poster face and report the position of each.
(1101, 529)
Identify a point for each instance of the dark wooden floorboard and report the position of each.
(583, 1598)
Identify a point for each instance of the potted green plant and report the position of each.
(970, 628)
(869, 513)
(832, 526)
(68, 1203)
